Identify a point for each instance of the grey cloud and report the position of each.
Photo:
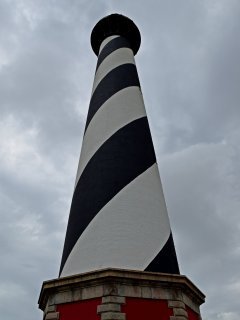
(200, 189)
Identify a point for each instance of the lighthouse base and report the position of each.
(116, 294)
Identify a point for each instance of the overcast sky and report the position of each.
(189, 70)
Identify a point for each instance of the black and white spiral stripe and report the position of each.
(118, 216)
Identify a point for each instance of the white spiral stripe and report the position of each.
(113, 60)
(122, 108)
(127, 232)
(105, 42)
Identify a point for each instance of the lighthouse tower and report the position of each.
(119, 260)
(118, 216)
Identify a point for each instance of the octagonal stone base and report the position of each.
(116, 294)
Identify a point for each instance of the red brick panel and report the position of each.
(82, 310)
(146, 309)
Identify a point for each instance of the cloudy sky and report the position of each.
(189, 70)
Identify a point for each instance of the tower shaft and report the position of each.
(118, 216)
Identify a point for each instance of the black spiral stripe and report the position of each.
(112, 83)
(112, 46)
(165, 261)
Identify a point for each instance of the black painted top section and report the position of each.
(115, 24)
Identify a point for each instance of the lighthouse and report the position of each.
(118, 216)
(119, 259)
